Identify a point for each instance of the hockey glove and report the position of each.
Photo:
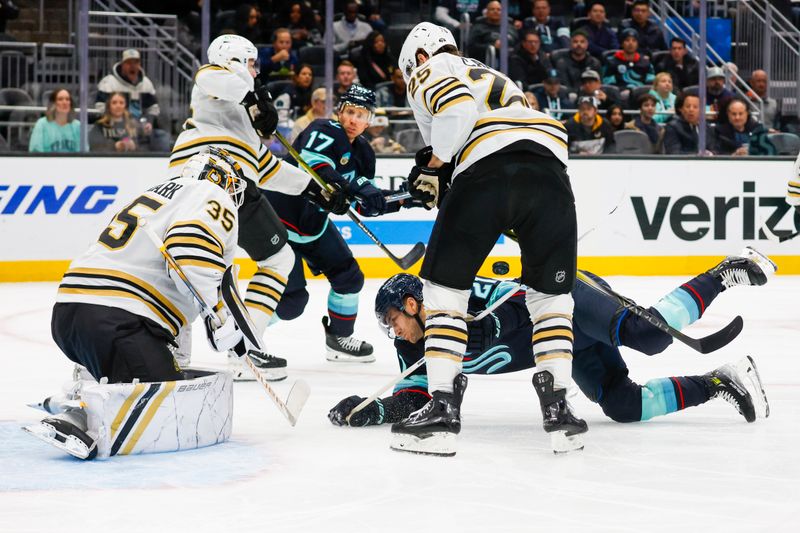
(223, 338)
(371, 200)
(263, 115)
(423, 185)
(370, 415)
(335, 201)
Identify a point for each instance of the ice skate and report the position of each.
(727, 383)
(346, 349)
(564, 427)
(271, 367)
(748, 372)
(751, 268)
(67, 432)
(432, 430)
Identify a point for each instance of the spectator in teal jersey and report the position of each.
(57, 130)
(665, 98)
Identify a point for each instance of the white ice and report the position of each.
(703, 469)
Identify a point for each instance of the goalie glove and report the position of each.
(371, 415)
(224, 337)
(335, 201)
(263, 115)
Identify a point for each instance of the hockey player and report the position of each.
(336, 150)
(504, 164)
(793, 187)
(228, 111)
(119, 307)
(500, 343)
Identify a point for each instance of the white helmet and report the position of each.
(426, 36)
(217, 166)
(226, 49)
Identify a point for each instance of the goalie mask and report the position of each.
(217, 166)
(426, 37)
(392, 294)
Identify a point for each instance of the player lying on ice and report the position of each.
(120, 309)
(501, 343)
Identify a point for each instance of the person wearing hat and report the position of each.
(127, 77)
(527, 65)
(592, 86)
(571, 66)
(627, 68)
(588, 133)
(717, 96)
(549, 95)
(601, 36)
(650, 37)
(378, 137)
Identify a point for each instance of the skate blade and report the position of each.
(441, 444)
(66, 443)
(746, 368)
(339, 357)
(563, 443)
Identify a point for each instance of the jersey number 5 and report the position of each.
(217, 212)
(129, 221)
(494, 98)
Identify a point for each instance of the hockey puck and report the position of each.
(500, 268)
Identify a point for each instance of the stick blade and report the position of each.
(297, 399)
(408, 260)
(720, 338)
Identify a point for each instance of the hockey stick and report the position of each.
(299, 392)
(404, 262)
(774, 237)
(396, 197)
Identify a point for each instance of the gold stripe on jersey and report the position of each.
(199, 261)
(454, 101)
(552, 129)
(119, 284)
(199, 229)
(206, 68)
(793, 189)
(443, 92)
(271, 167)
(220, 139)
(240, 151)
(188, 240)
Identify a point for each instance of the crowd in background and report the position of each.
(596, 77)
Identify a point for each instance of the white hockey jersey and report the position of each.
(466, 111)
(219, 119)
(123, 269)
(793, 187)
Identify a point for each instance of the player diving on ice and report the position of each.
(120, 309)
(501, 343)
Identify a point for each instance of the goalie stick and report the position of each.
(404, 262)
(298, 395)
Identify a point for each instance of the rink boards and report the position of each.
(670, 216)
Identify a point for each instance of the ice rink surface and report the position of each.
(703, 469)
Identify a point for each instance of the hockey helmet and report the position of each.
(217, 166)
(358, 96)
(424, 36)
(226, 49)
(393, 293)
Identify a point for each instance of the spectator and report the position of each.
(128, 78)
(588, 133)
(301, 89)
(379, 140)
(549, 97)
(759, 83)
(377, 63)
(349, 32)
(717, 95)
(317, 110)
(650, 37)
(553, 31)
(680, 64)
(646, 123)
(450, 12)
(345, 77)
(248, 23)
(615, 117)
(601, 36)
(298, 18)
(627, 68)
(533, 102)
(395, 95)
(665, 98)
(115, 131)
(591, 86)
(486, 32)
(527, 65)
(572, 65)
(58, 130)
(278, 61)
(740, 134)
(8, 11)
(681, 133)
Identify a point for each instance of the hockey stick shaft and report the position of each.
(771, 235)
(207, 311)
(404, 262)
(396, 197)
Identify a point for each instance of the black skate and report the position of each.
(67, 432)
(432, 430)
(564, 427)
(272, 368)
(751, 268)
(345, 349)
(726, 383)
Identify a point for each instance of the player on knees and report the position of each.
(500, 343)
(120, 308)
(336, 150)
(229, 111)
(494, 164)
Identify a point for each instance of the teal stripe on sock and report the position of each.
(411, 382)
(678, 308)
(658, 398)
(343, 304)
